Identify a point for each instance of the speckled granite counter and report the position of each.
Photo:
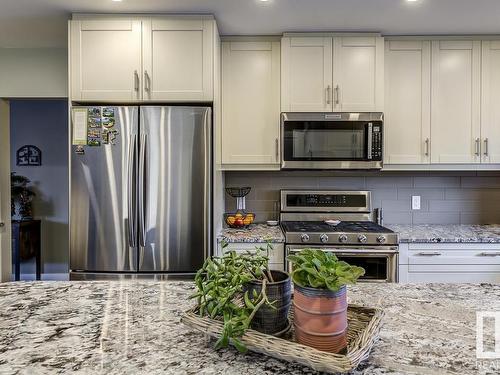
(133, 327)
(448, 233)
(255, 233)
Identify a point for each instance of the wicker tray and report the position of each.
(363, 329)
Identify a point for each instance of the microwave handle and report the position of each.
(370, 141)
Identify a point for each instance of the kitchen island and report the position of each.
(129, 327)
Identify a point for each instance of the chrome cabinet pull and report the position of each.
(2, 224)
(427, 147)
(486, 147)
(328, 94)
(136, 81)
(337, 99)
(478, 146)
(277, 145)
(429, 253)
(147, 82)
(485, 254)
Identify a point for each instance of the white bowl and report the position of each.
(272, 223)
(333, 223)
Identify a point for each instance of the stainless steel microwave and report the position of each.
(332, 140)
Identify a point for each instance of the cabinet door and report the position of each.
(358, 74)
(307, 74)
(105, 59)
(178, 58)
(250, 103)
(455, 102)
(407, 102)
(490, 116)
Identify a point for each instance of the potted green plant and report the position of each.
(320, 298)
(240, 290)
(21, 197)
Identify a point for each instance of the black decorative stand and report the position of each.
(26, 244)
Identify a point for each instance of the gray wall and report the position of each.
(33, 72)
(44, 123)
(446, 198)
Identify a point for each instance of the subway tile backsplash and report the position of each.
(445, 199)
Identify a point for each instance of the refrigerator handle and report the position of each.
(207, 122)
(131, 198)
(142, 195)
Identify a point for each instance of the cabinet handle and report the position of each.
(2, 224)
(136, 80)
(328, 94)
(427, 147)
(277, 145)
(495, 254)
(146, 81)
(486, 147)
(429, 254)
(478, 146)
(337, 90)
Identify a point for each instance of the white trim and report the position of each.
(5, 231)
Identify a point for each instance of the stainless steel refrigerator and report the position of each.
(140, 194)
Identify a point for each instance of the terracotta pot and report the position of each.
(268, 320)
(320, 318)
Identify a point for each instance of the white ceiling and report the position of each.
(42, 23)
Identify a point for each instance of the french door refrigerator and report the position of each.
(140, 194)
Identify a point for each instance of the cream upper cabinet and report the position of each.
(306, 69)
(178, 58)
(105, 58)
(455, 102)
(142, 58)
(332, 73)
(407, 123)
(251, 103)
(358, 74)
(490, 115)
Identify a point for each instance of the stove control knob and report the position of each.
(362, 238)
(323, 238)
(304, 237)
(381, 239)
(343, 238)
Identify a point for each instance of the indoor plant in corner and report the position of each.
(320, 298)
(241, 291)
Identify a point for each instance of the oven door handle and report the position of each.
(370, 251)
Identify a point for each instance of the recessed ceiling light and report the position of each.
(116, 1)
(412, 1)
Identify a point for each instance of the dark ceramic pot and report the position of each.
(268, 320)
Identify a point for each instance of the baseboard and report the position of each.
(45, 277)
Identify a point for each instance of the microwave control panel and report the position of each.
(377, 142)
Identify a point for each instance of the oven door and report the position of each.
(331, 141)
(380, 263)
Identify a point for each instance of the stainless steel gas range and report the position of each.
(341, 222)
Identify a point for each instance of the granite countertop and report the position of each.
(130, 327)
(254, 233)
(448, 233)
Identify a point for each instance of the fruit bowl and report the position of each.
(239, 219)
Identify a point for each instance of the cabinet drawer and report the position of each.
(453, 277)
(454, 257)
(454, 268)
(277, 266)
(276, 254)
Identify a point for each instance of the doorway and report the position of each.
(39, 159)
